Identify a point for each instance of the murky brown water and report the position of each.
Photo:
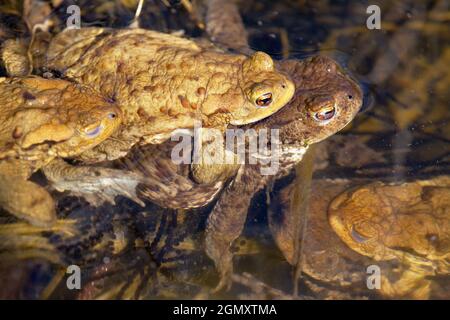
(403, 134)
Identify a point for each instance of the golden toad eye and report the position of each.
(325, 114)
(264, 100)
(112, 115)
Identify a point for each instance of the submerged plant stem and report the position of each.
(299, 208)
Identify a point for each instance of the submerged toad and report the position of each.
(407, 222)
(321, 255)
(40, 120)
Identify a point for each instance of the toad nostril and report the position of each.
(350, 96)
(283, 86)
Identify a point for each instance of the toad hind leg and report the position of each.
(27, 200)
(227, 221)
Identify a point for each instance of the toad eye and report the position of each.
(112, 115)
(94, 132)
(325, 114)
(264, 100)
(358, 237)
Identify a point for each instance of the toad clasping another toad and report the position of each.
(163, 82)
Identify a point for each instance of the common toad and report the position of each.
(407, 222)
(40, 120)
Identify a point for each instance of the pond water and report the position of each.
(399, 144)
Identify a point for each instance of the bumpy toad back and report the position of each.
(168, 82)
